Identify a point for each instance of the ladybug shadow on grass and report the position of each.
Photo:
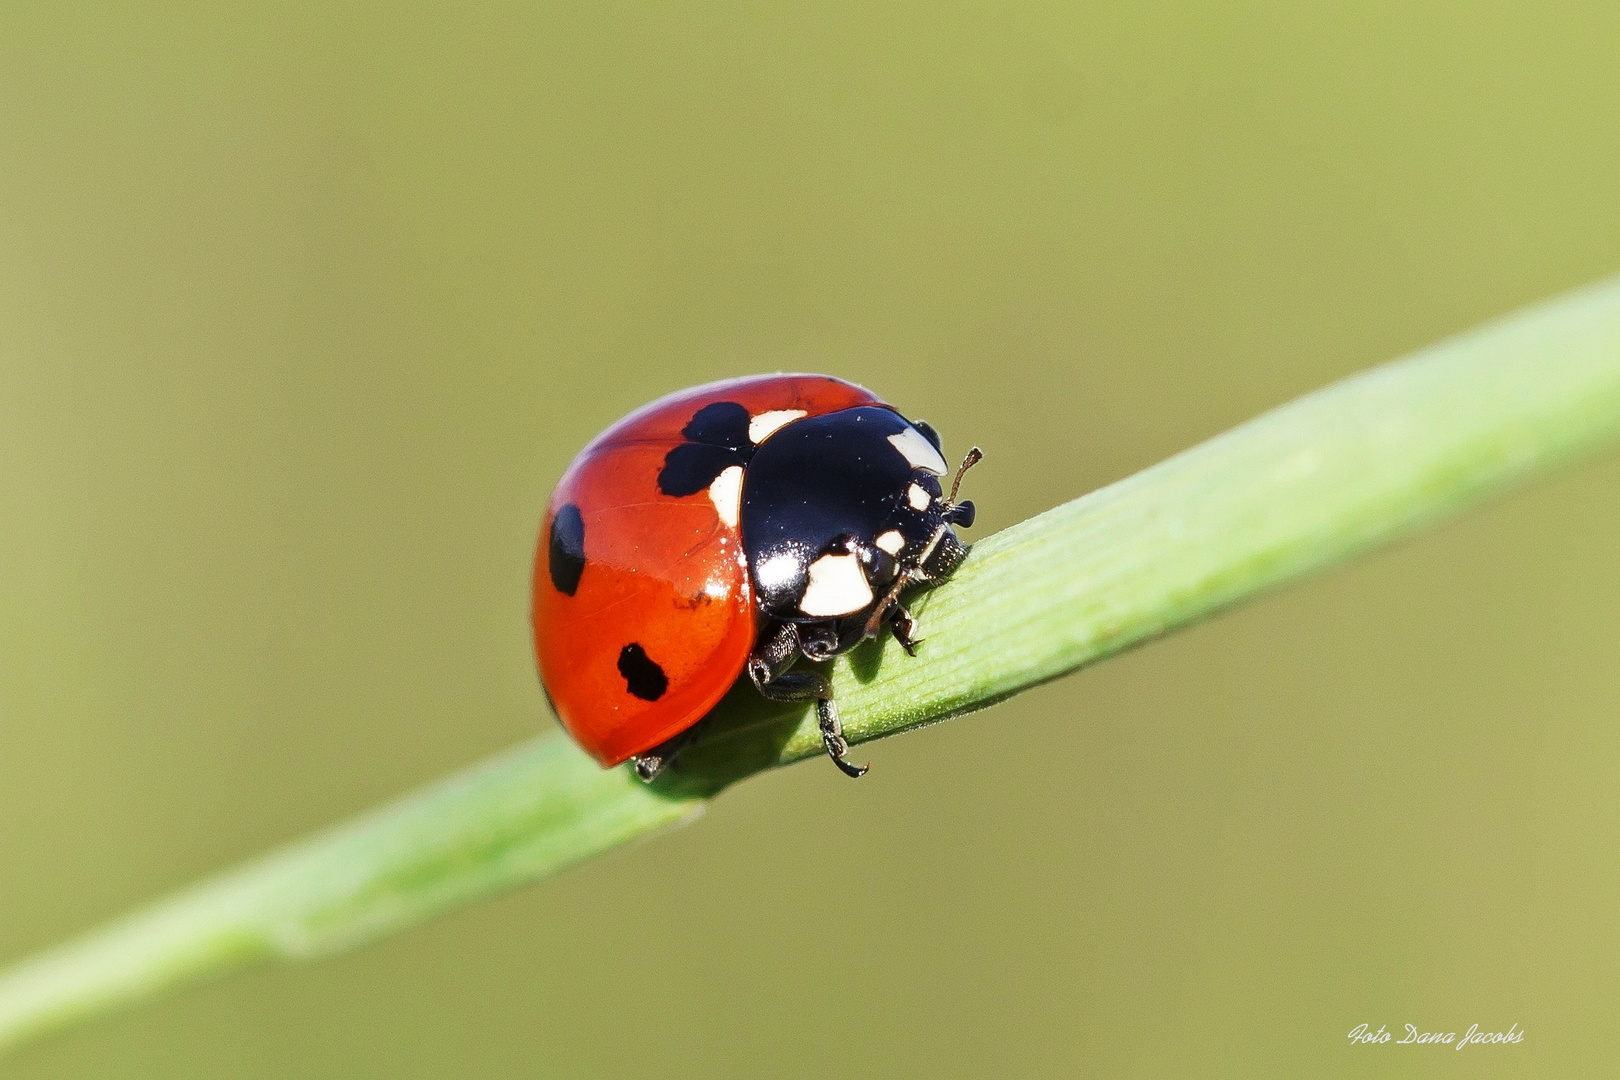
(746, 733)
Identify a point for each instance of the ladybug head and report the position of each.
(923, 544)
(841, 512)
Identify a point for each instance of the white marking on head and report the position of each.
(918, 497)
(726, 494)
(766, 424)
(918, 451)
(837, 587)
(776, 571)
(891, 541)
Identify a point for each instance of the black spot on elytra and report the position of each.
(717, 438)
(567, 549)
(691, 467)
(723, 423)
(644, 678)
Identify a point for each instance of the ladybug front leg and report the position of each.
(903, 625)
(774, 653)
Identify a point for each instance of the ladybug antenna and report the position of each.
(974, 456)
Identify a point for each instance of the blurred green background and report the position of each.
(304, 309)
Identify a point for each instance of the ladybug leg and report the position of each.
(832, 735)
(773, 653)
(653, 762)
(821, 641)
(903, 625)
(778, 647)
(808, 686)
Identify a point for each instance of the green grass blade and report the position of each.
(519, 817)
(1300, 488)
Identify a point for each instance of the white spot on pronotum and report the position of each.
(918, 497)
(766, 424)
(891, 541)
(726, 494)
(918, 451)
(837, 587)
(775, 572)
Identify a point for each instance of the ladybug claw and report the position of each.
(904, 629)
(832, 737)
(854, 772)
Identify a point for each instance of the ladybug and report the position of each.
(731, 528)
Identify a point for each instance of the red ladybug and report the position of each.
(733, 527)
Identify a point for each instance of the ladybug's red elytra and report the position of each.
(733, 528)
